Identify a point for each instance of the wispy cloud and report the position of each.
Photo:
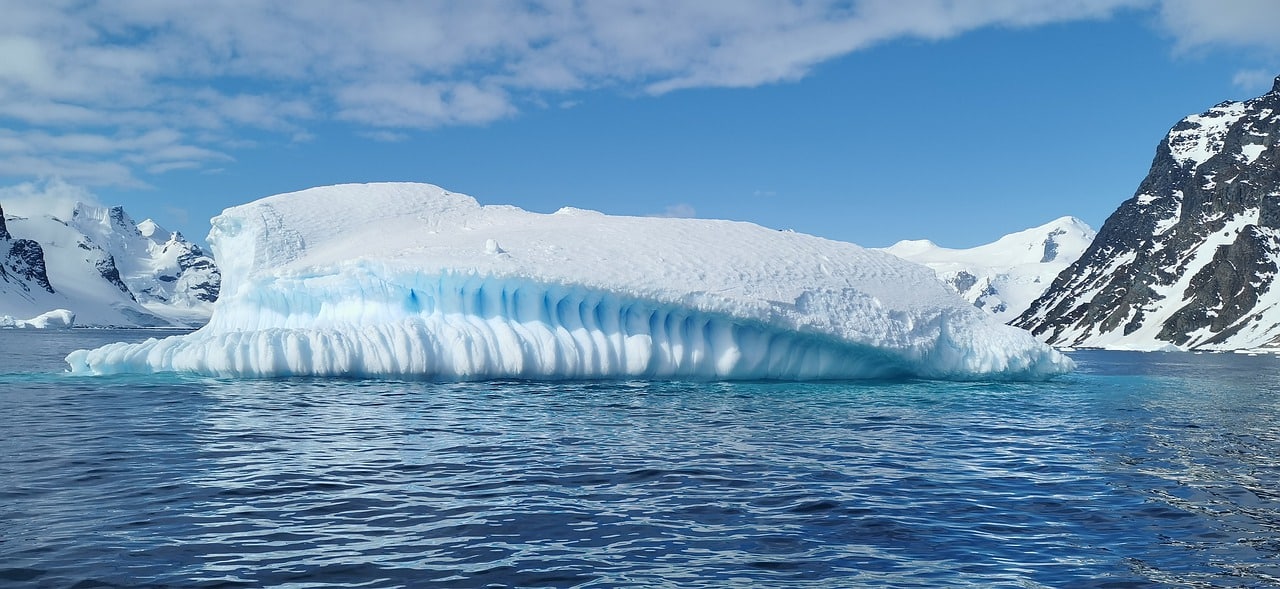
(385, 136)
(416, 105)
(1198, 25)
(83, 81)
(1236, 23)
(49, 197)
(100, 159)
(679, 210)
(1253, 80)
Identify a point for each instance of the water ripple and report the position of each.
(1119, 476)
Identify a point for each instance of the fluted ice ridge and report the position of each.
(409, 280)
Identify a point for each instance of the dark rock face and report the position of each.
(1223, 291)
(963, 281)
(109, 272)
(208, 290)
(26, 261)
(196, 263)
(149, 273)
(23, 261)
(1190, 258)
(121, 222)
(198, 273)
(1051, 247)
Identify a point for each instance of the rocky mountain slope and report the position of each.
(22, 266)
(1190, 261)
(1003, 277)
(161, 268)
(106, 269)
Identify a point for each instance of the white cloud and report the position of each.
(38, 111)
(413, 105)
(93, 173)
(93, 76)
(1254, 80)
(163, 167)
(96, 159)
(48, 197)
(1235, 23)
(25, 62)
(253, 110)
(774, 42)
(385, 136)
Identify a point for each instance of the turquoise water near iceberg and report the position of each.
(1138, 470)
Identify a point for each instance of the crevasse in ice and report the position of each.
(410, 280)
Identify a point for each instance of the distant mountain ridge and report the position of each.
(1190, 260)
(156, 265)
(106, 269)
(1003, 277)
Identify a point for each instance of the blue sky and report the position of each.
(865, 121)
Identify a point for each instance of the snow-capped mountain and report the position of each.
(1003, 277)
(1190, 260)
(105, 268)
(166, 273)
(22, 266)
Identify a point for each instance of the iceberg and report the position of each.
(55, 319)
(413, 281)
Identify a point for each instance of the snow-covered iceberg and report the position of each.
(412, 280)
(55, 319)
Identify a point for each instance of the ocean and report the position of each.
(1138, 470)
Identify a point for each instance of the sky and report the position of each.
(867, 121)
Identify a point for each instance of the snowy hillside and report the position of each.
(24, 278)
(1003, 277)
(101, 267)
(1190, 261)
(410, 279)
(170, 276)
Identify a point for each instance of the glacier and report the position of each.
(411, 280)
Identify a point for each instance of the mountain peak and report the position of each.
(1275, 86)
(106, 270)
(1003, 277)
(909, 246)
(4, 229)
(1067, 222)
(149, 229)
(1188, 259)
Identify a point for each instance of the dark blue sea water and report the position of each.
(1139, 470)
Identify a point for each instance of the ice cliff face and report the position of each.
(109, 271)
(1190, 260)
(412, 280)
(1003, 277)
